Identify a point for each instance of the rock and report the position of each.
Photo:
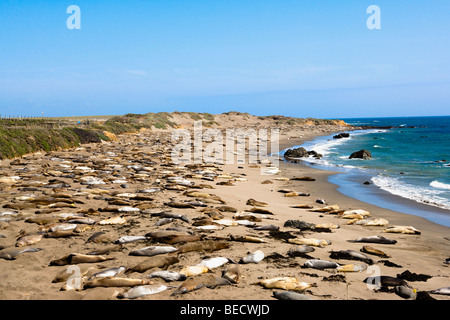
(342, 135)
(361, 154)
(296, 153)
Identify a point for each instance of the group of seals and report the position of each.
(129, 218)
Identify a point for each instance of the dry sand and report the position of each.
(29, 276)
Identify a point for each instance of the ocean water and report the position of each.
(409, 170)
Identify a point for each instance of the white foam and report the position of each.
(439, 185)
(412, 192)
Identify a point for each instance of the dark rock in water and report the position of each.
(410, 276)
(315, 154)
(361, 154)
(342, 135)
(296, 153)
(367, 183)
(301, 153)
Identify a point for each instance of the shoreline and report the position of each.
(30, 276)
(373, 195)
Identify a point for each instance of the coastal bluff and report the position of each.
(23, 136)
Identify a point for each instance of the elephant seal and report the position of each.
(444, 290)
(140, 291)
(152, 251)
(75, 258)
(168, 275)
(386, 281)
(153, 262)
(12, 253)
(253, 202)
(351, 255)
(285, 283)
(255, 257)
(377, 252)
(116, 282)
(111, 272)
(232, 273)
(290, 295)
(375, 239)
(320, 264)
(204, 246)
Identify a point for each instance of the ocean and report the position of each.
(409, 170)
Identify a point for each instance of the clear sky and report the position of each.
(291, 57)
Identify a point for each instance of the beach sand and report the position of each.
(29, 276)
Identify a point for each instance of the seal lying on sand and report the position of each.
(375, 239)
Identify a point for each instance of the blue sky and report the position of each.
(296, 58)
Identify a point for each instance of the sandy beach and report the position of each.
(31, 276)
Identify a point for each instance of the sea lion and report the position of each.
(351, 255)
(253, 202)
(285, 283)
(255, 257)
(12, 253)
(371, 250)
(168, 275)
(153, 262)
(152, 251)
(143, 290)
(290, 295)
(375, 239)
(320, 264)
(116, 282)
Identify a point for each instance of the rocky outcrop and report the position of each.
(361, 154)
(341, 135)
(301, 153)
